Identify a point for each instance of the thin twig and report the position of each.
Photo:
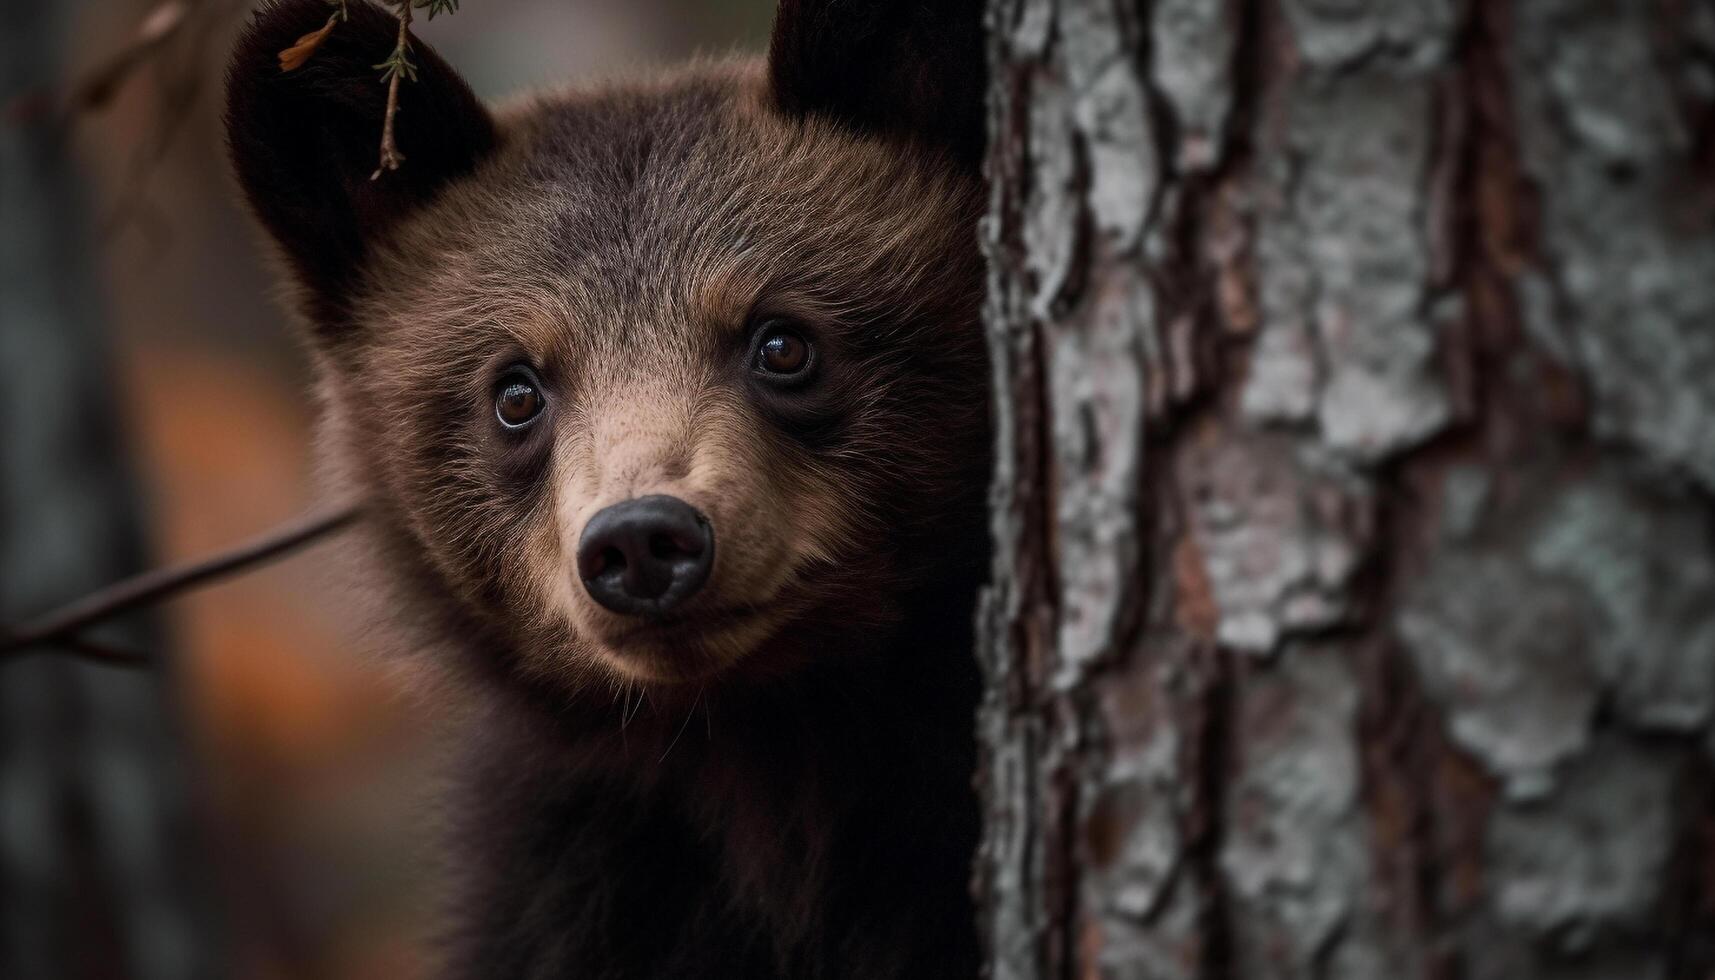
(397, 65)
(96, 88)
(178, 96)
(63, 625)
(103, 652)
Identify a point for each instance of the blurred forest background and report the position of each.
(299, 765)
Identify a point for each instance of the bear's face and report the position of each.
(674, 293)
(654, 378)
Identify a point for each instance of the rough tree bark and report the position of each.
(1354, 604)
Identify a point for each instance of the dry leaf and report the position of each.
(297, 54)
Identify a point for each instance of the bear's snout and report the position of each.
(645, 556)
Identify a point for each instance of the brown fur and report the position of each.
(624, 242)
(621, 241)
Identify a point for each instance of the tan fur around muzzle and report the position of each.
(702, 445)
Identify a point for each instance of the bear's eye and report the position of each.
(517, 400)
(782, 353)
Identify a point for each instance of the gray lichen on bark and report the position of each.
(1281, 534)
(1296, 856)
(1569, 598)
(1350, 325)
(1588, 863)
(1629, 294)
(1192, 45)
(1504, 652)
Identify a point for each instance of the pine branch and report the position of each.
(63, 626)
(397, 65)
(437, 6)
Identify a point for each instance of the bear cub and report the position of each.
(668, 404)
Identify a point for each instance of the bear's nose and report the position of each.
(646, 555)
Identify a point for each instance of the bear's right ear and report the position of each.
(915, 67)
(305, 142)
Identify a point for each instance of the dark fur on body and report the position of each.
(775, 781)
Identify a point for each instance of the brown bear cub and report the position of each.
(669, 402)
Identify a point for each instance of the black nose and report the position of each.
(645, 555)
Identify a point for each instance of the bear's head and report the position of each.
(651, 382)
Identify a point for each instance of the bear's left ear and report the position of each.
(913, 67)
(306, 141)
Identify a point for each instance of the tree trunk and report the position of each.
(1354, 601)
(97, 868)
